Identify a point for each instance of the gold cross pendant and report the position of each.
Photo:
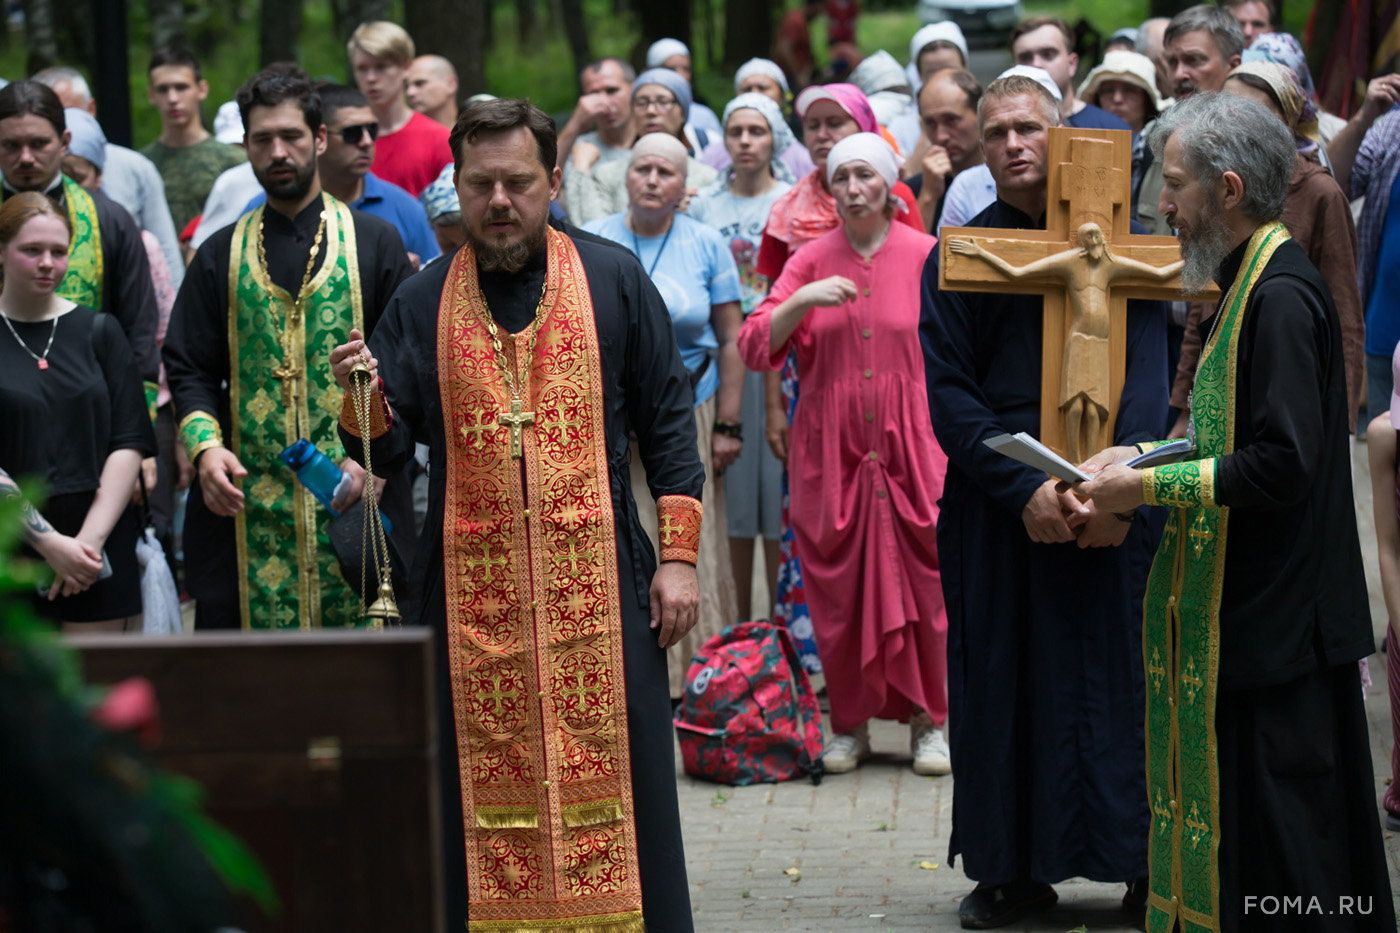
(288, 369)
(515, 419)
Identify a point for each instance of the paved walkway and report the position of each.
(868, 851)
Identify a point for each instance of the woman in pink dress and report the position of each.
(865, 470)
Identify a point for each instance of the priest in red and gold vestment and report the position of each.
(523, 361)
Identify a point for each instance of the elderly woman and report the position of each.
(675, 55)
(1125, 85)
(692, 268)
(737, 205)
(1281, 48)
(864, 466)
(1316, 212)
(761, 76)
(660, 100)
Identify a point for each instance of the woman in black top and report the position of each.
(73, 416)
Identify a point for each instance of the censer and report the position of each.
(373, 544)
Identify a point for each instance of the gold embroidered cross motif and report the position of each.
(573, 557)
(1197, 826)
(559, 421)
(475, 432)
(485, 560)
(1164, 816)
(1200, 534)
(1156, 671)
(575, 687)
(669, 529)
(500, 692)
(1192, 681)
(515, 419)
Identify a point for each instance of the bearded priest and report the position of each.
(1259, 768)
(522, 362)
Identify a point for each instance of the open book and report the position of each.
(1033, 453)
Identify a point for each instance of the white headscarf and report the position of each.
(879, 72)
(664, 145)
(760, 66)
(870, 148)
(948, 31)
(663, 49)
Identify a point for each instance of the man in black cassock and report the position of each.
(1044, 663)
(1259, 766)
(523, 361)
(307, 269)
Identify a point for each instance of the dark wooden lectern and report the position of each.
(319, 750)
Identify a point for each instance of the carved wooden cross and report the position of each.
(1088, 181)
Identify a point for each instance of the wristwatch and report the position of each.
(732, 429)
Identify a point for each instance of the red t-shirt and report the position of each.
(841, 21)
(793, 29)
(413, 157)
(773, 253)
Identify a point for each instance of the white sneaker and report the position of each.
(931, 753)
(845, 752)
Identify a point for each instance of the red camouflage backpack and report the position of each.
(749, 715)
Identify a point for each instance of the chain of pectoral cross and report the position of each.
(517, 418)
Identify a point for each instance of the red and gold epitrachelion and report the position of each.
(534, 624)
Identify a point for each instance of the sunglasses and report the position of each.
(352, 134)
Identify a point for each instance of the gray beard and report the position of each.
(510, 258)
(1204, 251)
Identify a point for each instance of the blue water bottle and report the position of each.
(319, 474)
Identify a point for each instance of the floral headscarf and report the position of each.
(1298, 110)
(1282, 49)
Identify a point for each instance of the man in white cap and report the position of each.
(129, 178)
(675, 55)
(1046, 42)
(935, 47)
(974, 190)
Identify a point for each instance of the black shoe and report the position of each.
(1392, 822)
(995, 905)
(1135, 902)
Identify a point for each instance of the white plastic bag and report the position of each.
(159, 600)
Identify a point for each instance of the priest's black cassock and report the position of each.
(644, 383)
(1044, 643)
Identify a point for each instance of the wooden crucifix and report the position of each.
(1087, 264)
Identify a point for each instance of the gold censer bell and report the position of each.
(374, 545)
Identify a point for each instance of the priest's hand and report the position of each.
(1046, 514)
(675, 601)
(354, 490)
(219, 473)
(345, 356)
(1115, 488)
(1098, 528)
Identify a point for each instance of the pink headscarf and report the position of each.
(846, 96)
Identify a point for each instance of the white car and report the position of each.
(983, 22)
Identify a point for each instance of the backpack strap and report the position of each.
(806, 703)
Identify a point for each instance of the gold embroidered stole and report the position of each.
(533, 618)
(288, 576)
(1181, 632)
(83, 283)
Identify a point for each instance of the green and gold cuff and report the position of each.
(1180, 485)
(198, 432)
(1145, 446)
(679, 518)
(152, 392)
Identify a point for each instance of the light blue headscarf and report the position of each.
(782, 134)
(670, 80)
(87, 139)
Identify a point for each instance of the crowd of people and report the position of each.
(620, 358)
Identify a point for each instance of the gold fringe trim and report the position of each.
(631, 922)
(590, 814)
(507, 818)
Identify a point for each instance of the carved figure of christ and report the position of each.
(1088, 272)
(1085, 297)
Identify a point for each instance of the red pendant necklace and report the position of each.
(41, 359)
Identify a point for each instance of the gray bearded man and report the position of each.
(522, 362)
(1258, 762)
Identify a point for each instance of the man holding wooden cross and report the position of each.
(1259, 771)
(1045, 670)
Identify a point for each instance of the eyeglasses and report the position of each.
(352, 134)
(643, 104)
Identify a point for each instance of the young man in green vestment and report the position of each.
(1259, 770)
(263, 303)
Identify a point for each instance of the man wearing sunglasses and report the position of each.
(351, 131)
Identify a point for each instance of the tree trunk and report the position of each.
(453, 29)
(168, 23)
(1167, 7)
(526, 22)
(748, 31)
(576, 31)
(347, 15)
(279, 25)
(39, 35)
(670, 20)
